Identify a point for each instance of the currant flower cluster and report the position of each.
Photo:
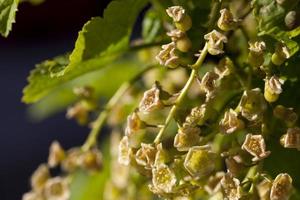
(193, 159)
(45, 187)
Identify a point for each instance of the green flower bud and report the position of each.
(167, 56)
(231, 187)
(252, 104)
(39, 178)
(290, 19)
(226, 22)
(200, 161)
(56, 154)
(57, 189)
(272, 88)
(231, 123)
(256, 53)
(281, 187)
(286, 114)
(256, 146)
(182, 20)
(183, 43)
(163, 179)
(280, 55)
(216, 42)
(291, 139)
(186, 138)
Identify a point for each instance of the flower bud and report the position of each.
(281, 187)
(199, 161)
(91, 160)
(264, 189)
(151, 100)
(256, 146)
(286, 114)
(182, 20)
(256, 53)
(272, 88)
(280, 55)
(163, 179)
(145, 156)
(56, 154)
(72, 161)
(208, 83)
(216, 42)
(252, 104)
(39, 178)
(79, 113)
(57, 189)
(231, 123)
(226, 22)
(290, 19)
(231, 187)
(183, 43)
(186, 137)
(291, 139)
(167, 56)
(125, 151)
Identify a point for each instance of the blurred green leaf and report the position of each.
(105, 81)
(152, 26)
(99, 43)
(8, 9)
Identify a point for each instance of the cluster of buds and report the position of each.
(57, 188)
(86, 104)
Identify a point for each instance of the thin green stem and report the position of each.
(182, 94)
(101, 119)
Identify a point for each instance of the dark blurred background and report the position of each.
(41, 32)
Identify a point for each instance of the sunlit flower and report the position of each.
(57, 189)
(231, 187)
(145, 156)
(40, 177)
(163, 178)
(256, 146)
(167, 56)
(216, 42)
(231, 123)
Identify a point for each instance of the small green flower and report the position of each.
(216, 42)
(186, 137)
(39, 178)
(231, 123)
(291, 139)
(199, 161)
(256, 146)
(181, 19)
(256, 53)
(57, 189)
(272, 88)
(125, 151)
(56, 154)
(231, 187)
(226, 22)
(209, 84)
(281, 187)
(151, 100)
(281, 53)
(253, 104)
(145, 156)
(183, 43)
(167, 56)
(163, 179)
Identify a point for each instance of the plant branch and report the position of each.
(101, 119)
(182, 94)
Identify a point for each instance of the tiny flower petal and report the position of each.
(255, 145)
(177, 13)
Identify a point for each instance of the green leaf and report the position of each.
(105, 81)
(152, 26)
(270, 17)
(8, 9)
(99, 43)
